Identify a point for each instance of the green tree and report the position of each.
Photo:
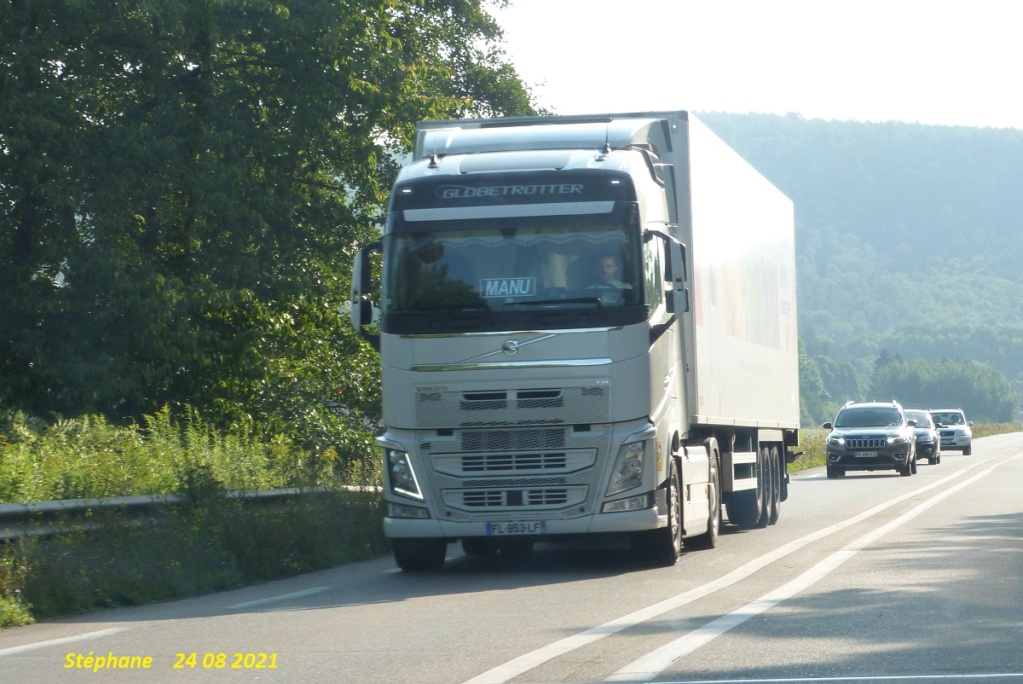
(980, 390)
(815, 404)
(183, 184)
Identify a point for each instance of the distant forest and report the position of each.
(907, 243)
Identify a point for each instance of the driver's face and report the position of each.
(608, 268)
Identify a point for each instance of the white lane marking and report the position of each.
(15, 650)
(875, 678)
(517, 666)
(275, 599)
(655, 662)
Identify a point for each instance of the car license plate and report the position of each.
(497, 529)
(866, 454)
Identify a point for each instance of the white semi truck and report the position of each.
(587, 325)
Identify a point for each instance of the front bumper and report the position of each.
(602, 523)
(955, 442)
(880, 460)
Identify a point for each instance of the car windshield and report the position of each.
(867, 417)
(951, 418)
(922, 418)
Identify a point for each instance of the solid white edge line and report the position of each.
(15, 650)
(517, 666)
(275, 599)
(658, 660)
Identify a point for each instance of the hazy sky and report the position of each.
(942, 62)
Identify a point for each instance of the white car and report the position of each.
(954, 430)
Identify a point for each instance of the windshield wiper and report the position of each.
(553, 302)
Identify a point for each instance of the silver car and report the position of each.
(954, 430)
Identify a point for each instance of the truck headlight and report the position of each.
(401, 474)
(628, 470)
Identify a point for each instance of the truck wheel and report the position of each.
(419, 555)
(709, 539)
(662, 547)
(776, 477)
(765, 481)
(745, 507)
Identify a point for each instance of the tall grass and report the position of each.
(87, 457)
(208, 543)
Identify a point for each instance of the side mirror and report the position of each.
(677, 299)
(361, 307)
(827, 426)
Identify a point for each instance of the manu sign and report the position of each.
(508, 287)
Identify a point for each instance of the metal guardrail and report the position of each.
(35, 519)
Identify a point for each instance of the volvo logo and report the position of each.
(510, 347)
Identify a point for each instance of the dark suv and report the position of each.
(871, 436)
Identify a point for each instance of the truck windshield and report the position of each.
(502, 269)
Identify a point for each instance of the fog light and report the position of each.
(633, 503)
(397, 510)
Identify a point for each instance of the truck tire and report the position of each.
(765, 481)
(419, 555)
(776, 477)
(662, 547)
(745, 507)
(709, 539)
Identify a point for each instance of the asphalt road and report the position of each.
(873, 577)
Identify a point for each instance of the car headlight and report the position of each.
(401, 474)
(836, 440)
(898, 439)
(628, 470)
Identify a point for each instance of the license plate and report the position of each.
(866, 454)
(497, 529)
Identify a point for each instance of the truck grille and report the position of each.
(507, 499)
(511, 462)
(512, 408)
(512, 440)
(514, 473)
(517, 463)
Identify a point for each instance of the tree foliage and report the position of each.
(982, 392)
(815, 404)
(183, 184)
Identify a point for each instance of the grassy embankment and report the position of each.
(206, 544)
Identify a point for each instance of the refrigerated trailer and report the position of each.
(586, 325)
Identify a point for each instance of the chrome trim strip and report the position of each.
(519, 345)
(509, 210)
(564, 363)
(504, 333)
